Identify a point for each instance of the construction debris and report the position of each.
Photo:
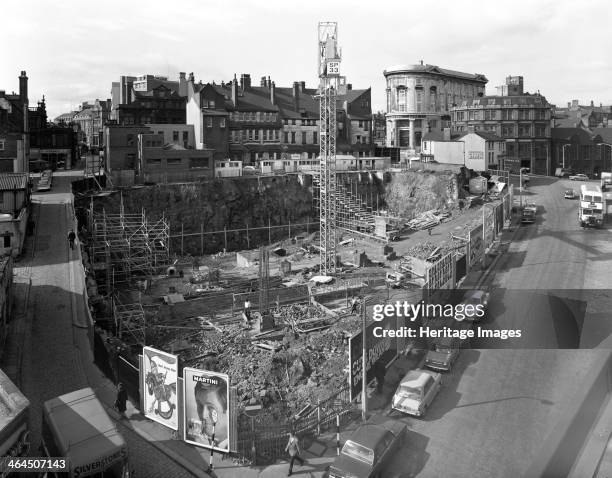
(428, 219)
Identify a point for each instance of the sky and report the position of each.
(73, 50)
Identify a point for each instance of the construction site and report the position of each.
(255, 276)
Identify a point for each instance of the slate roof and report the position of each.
(518, 100)
(13, 181)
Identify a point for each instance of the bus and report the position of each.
(76, 427)
(14, 410)
(590, 211)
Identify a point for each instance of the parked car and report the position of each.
(443, 355)
(368, 450)
(579, 177)
(569, 194)
(416, 391)
(475, 298)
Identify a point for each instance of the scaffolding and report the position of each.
(125, 247)
(130, 322)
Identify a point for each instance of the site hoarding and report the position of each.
(476, 245)
(159, 379)
(206, 418)
(378, 348)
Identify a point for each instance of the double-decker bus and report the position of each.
(590, 212)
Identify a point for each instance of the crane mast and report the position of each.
(330, 85)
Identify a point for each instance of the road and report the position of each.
(498, 406)
(57, 358)
(554, 283)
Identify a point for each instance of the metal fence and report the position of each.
(262, 439)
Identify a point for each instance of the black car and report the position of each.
(368, 450)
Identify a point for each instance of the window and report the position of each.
(358, 139)
(314, 137)
(199, 163)
(1, 145)
(286, 137)
(211, 104)
(256, 135)
(507, 130)
(293, 136)
(175, 136)
(173, 161)
(401, 99)
(303, 137)
(491, 101)
(489, 115)
(524, 130)
(293, 122)
(360, 124)
(506, 114)
(209, 122)
(154, 161)
(540, 130)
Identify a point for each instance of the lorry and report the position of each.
(590, 210)
(76, 426)
(528, 214)
(14, 414)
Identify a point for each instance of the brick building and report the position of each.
(252, 123)
(523, 120)
(14, 128)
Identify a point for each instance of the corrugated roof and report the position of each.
(13, 181)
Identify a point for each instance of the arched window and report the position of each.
(401, 98)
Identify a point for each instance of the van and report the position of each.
(76, 426)
(395, 279)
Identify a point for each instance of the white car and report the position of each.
(579, 177)
(416, 391)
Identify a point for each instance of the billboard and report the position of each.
(378, 348)
(206, 411)
(159, 378)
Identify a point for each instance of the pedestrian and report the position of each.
(293, 448)
(429, 231)
(71, 238)
(121, 400)
(354, 305)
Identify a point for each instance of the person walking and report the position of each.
(247, 309)
(71, 238)
(354, 303)
(121, 400)
(293, 448)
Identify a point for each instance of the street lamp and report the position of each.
(563, 151)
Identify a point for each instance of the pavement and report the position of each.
(163, 453)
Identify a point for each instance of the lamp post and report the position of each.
(563, 151)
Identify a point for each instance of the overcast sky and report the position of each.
(73, 50)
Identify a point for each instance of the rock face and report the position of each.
(232, 204)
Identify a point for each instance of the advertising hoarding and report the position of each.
(378, 348)
(206, 417)
(159, 378)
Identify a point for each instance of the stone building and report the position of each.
(419, 98)
(523, 120)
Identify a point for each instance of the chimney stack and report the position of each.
(269, 82)
(296, 94)
(592, 104)
(182, 84)
(262, 83)
(23, 87)
(235, 91)
(302, 86)
(349, 87)
(245, 81)
(272, 93)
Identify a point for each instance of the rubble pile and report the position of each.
(428, 250)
